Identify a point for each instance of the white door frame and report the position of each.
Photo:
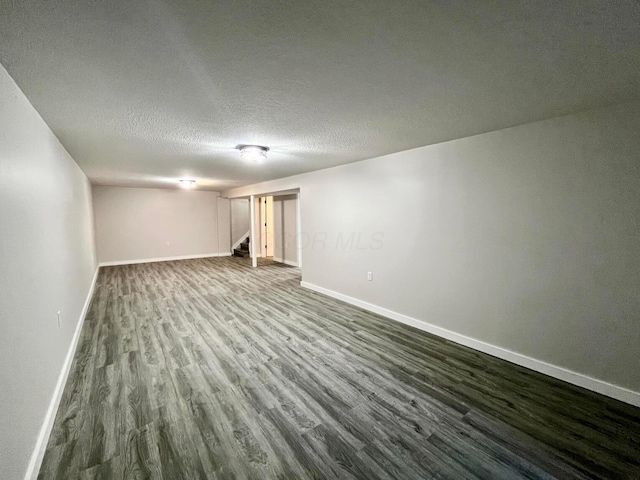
(253, 244)
(252, 240)
(299, 230)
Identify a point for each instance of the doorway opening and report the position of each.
(275, 228)
(240, 226)
(286, 230)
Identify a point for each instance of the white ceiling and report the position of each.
(142, 92)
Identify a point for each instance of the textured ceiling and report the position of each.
(142, 92)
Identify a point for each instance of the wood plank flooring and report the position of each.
(209, 369)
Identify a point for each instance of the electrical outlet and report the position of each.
(58, 317)
(167, 243)
(370, 276)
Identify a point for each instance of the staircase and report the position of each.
(243, 249)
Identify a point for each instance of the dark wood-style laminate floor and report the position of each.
(211, 369)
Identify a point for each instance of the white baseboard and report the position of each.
(163, 259)
(43, 437)
(286, 262)
(575, 378)
(235, 245)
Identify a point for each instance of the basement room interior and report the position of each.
(319, 240)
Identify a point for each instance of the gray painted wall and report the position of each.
(240, 221)
(137, 223)
(47, 263)
(525, 238)
(285, 229)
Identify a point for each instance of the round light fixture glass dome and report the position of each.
(253, 152)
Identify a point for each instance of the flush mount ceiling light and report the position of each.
(253, 152)
(187, 183)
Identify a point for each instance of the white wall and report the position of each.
(240, 221)
(134, 224)
(285, 229)
(47, 263)
(526, 238)
(224, 225)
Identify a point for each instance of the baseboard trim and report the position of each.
(163, 259)
(45, 431)
(286, 262)
(575, 378)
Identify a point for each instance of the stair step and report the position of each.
(243, 249)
